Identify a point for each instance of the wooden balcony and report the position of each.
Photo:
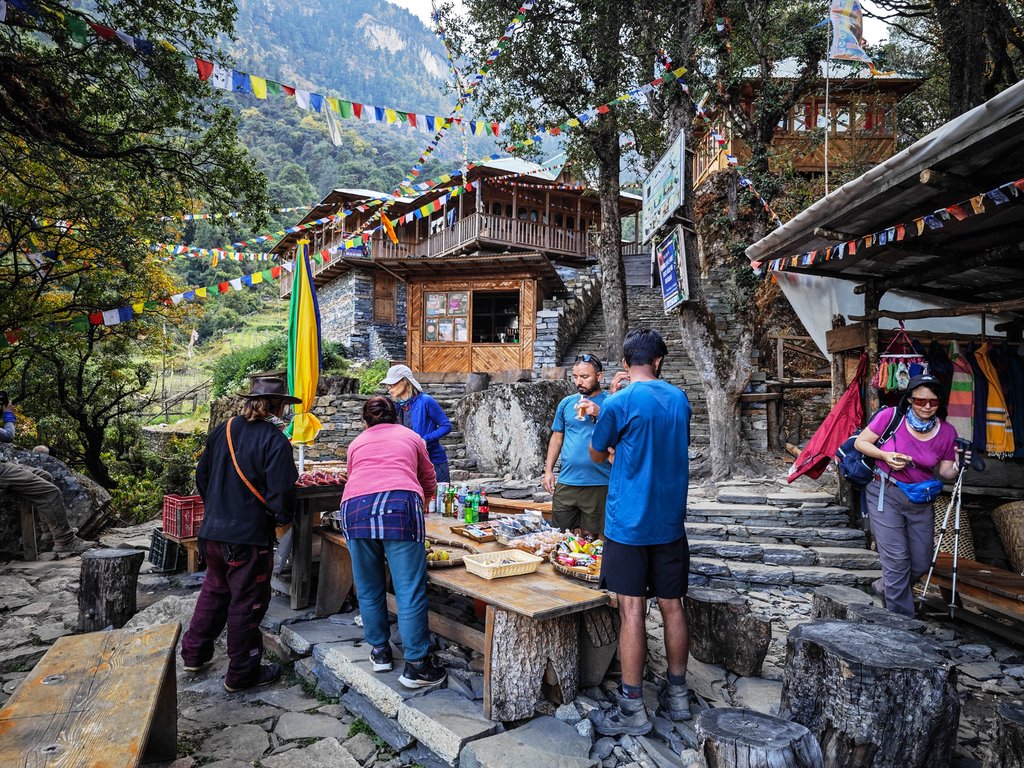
(476, 231)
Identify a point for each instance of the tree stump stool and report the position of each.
(1008, 746)
(872, 614)
(874, 696)
(833, 601)
(742, 738)
(107, 588)
(724, 631)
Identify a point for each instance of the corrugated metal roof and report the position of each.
(789, 69)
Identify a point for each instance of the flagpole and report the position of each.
(828, 121)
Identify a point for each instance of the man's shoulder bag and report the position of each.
(238, 469)
(852, 465)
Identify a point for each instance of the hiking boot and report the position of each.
(627, 717)
(381, 658)
(675, 701)
(73, 546)
(422, 674)
(196, 667)
(268, 673)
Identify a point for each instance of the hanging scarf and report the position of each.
(920, 425)
(998, 428)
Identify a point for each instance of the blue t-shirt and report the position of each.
(648, 425)
(577, 468)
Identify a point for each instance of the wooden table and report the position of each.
(531, 630)
(98, 699)
(993, 588)
(311, 502)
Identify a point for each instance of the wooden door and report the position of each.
(385, 289)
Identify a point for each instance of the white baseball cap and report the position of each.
(398, 372)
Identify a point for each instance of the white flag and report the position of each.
(333, 129)
(236, 283)
(111, 317)
(302, 99)
(220, 77)
(3, 10)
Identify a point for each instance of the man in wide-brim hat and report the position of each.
(421, 413)
(246, 477)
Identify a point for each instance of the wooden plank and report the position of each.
(28, 531)
(846, 337)
(517, 506)
(983, 597)
(1004, 583)
(527, 323)
(92, 700)
(488, 642)
(449, 628)
(335, 580)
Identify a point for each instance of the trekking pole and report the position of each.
(954, 498)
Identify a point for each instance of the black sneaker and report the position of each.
(268, 674)
(381, 658)
(422, 674)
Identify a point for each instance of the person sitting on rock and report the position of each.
(36, 486)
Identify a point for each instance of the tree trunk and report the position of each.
(849, 683)
(968, 28)
(93, 457)
(107, 587)
(1008, 746)
(724, 631)
(833, 601)
(743, 738)
(609, 249)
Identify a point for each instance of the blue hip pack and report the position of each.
(924, 492)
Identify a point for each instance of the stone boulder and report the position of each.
(507, 427)
(173, 609)
(85, 500)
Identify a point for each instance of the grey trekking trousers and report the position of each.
(36, 486)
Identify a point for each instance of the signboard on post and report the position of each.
(670, 256)
(664, 189)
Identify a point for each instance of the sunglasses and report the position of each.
(925, 402)
(588, 358)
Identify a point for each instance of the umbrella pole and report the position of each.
(302, 458)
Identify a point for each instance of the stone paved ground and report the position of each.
(326, 712)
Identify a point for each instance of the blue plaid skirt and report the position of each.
(395, 515)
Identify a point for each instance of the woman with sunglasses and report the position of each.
(923, 445)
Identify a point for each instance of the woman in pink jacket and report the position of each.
(389, 477)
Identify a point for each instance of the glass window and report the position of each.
(508, 210)
(495, 317)
(842, 117)
(496, 209)
(534, 214)
(570, 222)
(446, 319)
(558, 219)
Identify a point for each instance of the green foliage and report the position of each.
(231, 372)
(370, 377)
(178, 474)
(136, 499)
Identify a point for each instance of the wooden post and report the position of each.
(1008, 746)
(731, 737)
(724, 631)
(106, 588)
(547, 218)
(872, 297)
(848, 683)
(28, 530)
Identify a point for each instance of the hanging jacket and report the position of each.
(1014, 366)
(998, 429)
(961, 398)
(980, 399)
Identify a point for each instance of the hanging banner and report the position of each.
(664, 189)
(670, 257)
(847, 31)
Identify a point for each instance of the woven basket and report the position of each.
(966, 548)
(508, 562)
(1009, 520)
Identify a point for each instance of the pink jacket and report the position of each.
(389, 457)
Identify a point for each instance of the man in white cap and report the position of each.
(420, 412)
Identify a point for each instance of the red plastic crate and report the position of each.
(182, 515)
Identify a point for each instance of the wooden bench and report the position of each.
(988, 587)
(531, 627)
(99, 699)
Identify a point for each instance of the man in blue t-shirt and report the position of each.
(647, 423)
(582, 487)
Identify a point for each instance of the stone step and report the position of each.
(441, 720)
(762, 514)
(770, 553)
(808, 537)
(717, 572)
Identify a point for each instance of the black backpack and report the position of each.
(852, 465)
